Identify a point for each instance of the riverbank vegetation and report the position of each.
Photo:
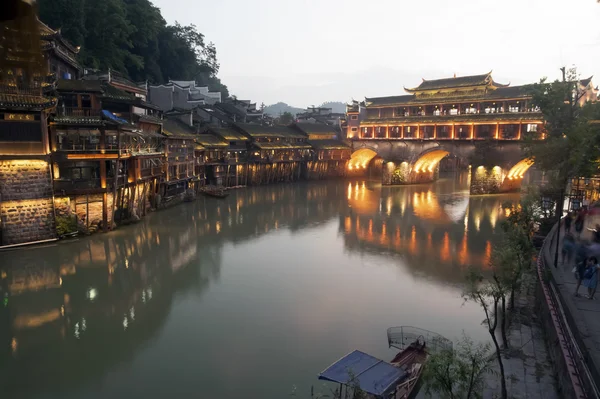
(571, 145)
(459, 373)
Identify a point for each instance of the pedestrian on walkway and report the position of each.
(568, 248)
(568, 221)
(580, 264)
(591, 277)
(579, 222)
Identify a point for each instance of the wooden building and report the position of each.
(180, 149)
(60, 56)
(276, 154)
(329, 155)
(26, 206)
(234, 153)
(459, 108)
(99, 154)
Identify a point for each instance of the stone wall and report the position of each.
(26, 208)
(561, 371)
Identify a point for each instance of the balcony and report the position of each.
(150, 172)
(79, 112)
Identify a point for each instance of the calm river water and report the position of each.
(250, 296)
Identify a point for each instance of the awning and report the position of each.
(374, 376)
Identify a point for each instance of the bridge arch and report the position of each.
(361, 158)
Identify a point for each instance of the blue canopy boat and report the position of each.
(397, 379)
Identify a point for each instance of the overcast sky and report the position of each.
(305, 52)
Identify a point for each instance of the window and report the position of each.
(454, 111)
(532, 127)
(86, 101)
(354, 117)
(408, 129)
(354, 129)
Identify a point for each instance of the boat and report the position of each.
(397, 379)
(214, 192)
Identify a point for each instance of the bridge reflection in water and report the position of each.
(438, 229)
(120, 313)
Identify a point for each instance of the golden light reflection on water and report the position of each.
(448, 228)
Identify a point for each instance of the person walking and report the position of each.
(568, 221)
(580, 264)
(590, 280)
(568, 248)
(579, 222)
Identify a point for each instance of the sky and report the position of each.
(306, 52)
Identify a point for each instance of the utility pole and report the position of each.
(559, 201)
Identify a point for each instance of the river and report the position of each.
(251, 296)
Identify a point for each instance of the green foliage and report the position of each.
(285, 119)
(572, 144)
(486, 154)
(132, 37)
(459, 373)
(65, 225)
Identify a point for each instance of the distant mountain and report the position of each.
(279, 108)
(336, 106)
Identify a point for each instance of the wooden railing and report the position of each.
(78, 112)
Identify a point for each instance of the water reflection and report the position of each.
(74, 313)
(438, 229)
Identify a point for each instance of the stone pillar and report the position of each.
(487, 180)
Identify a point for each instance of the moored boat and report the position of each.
(397, 379)
(217, 193)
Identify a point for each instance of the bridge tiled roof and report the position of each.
(464, 118)
(501, 93)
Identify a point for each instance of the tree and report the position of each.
(285, 119)
(486, 154)
(132, 37)
(571, 144)
(488, 294)
(459, 373)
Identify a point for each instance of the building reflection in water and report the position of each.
(87, 305)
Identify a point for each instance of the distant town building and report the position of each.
(180, 94)
(320, 115)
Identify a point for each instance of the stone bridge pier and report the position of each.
(414, 162)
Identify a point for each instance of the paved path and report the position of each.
(585, 312)
(527, 366)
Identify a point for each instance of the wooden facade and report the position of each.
(328, 156)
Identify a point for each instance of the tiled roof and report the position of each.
(112, 93)
(390, 100)
(210, 141)
(315, 128)
(77, 120)
(586, 82)
(328, 145)
(176, 128)
(86, 86)
(269, 131)
(282, 146)
(457, 119)
(150, 119)
(25, 101)
(509, 92)
(230, 109)
(462, 81)
(228, 133)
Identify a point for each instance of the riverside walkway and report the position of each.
(582, 315)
